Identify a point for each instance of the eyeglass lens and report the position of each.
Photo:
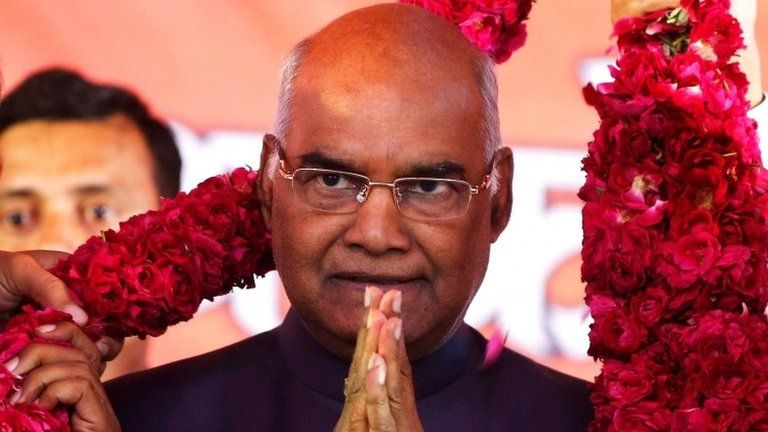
(339, 192)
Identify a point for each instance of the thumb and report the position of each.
(23, 275)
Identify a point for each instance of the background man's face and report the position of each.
(385, 132)
(64, 181)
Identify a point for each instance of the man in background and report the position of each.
(79, 157)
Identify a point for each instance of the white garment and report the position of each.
(760, 115)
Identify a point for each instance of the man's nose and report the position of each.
(61, 233)
(378, 227)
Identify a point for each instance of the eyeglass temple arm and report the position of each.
(482, 186)
(283, 172)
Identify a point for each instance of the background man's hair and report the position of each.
(58, 94)
(486, 79)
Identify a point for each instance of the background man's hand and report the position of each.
(743, 10)
(628, 8)
(55, 375)
(379, 389)
(23, 277)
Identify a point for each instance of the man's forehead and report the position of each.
(394, 102)
(72, 140)
(388, 45)
(78, 154)
(364, 133)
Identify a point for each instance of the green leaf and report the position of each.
(678, 17)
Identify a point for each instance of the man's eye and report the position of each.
(98, 212)
(430, 187)
(333, 180)
(18, 219)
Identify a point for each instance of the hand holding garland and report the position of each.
(55, 374)
(65, 375)
(24, 277)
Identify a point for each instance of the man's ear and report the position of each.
(501, 202)
(266, 187)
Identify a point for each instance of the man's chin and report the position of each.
(336, 330)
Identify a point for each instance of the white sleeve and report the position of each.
(760, 115)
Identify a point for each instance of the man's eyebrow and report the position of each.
(18, 193)
(440, 169)
(80, 190)
(321, 160)
(92, 189)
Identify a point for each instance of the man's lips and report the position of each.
(384, 281)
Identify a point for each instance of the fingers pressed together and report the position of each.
(379, 388)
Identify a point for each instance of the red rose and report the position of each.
(617, 255)
(28, 417)
(692, 420)
(756, 421)
(616, 332)
(650, 305)
(494, 26)
(718, 31)
(641, 417)
(626, 383)
(723, 378)
(689, 258)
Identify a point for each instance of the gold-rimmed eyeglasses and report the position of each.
(343, 192)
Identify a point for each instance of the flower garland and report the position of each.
(495, 27)
(675, 238)
(152, 273)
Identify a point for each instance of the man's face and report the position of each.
(326, 260)
(64, 181)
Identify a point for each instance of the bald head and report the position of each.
(391, 42)
(396, 53)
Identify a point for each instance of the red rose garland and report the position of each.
(495, 27)
(675, 236)
(152, 273)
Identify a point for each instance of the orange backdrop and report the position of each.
(214, 63)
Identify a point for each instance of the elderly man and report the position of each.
(384, 186)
